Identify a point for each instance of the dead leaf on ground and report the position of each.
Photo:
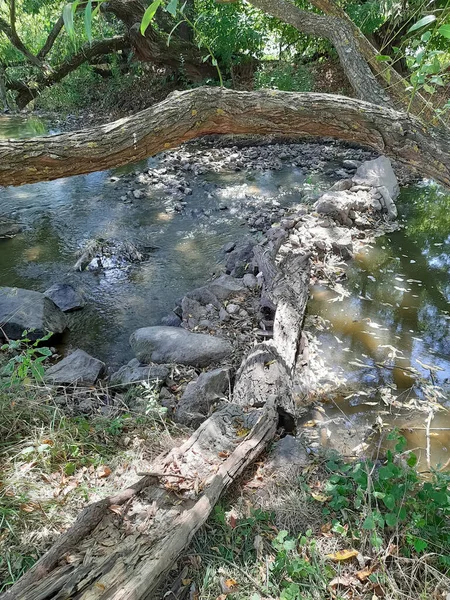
(320, 497)
(343, 555)
(223, 454)
(344, 581)
(104, 471)
(228, 585)
(365, 573)
(116, 508)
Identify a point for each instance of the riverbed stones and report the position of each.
(9, 228)
(201, 395)
(65, 297)
(225, 286)
(171, 320)
(79, 368)
(136, 372)
(160, 344)
(22, 310)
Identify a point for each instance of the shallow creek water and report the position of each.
(398, 289)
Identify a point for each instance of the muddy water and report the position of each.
(392, 328)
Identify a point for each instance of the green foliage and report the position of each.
(284, 76)
(235, 32)
(26, 364)
(382, 500)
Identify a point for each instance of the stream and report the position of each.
(388, 329)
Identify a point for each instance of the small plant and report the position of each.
(390, 500)
(26, 364)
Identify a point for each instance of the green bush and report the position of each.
(284, 76)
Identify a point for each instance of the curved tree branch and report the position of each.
(193, 113)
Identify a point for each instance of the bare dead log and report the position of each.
(193, 113)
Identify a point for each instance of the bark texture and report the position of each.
(193, 113)
(120, 548)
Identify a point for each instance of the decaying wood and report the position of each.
(193, 113)
(114, 553)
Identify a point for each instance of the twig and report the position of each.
(428, 424)
(160, 475)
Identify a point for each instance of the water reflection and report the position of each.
(395, 322)
(22, 126)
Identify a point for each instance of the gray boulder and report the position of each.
(378, 173)
(65, 297)
(334, 239)
(9, 228)
(135, 372)
(225, 286)
(200, 395)
(286, 455)
(171, 320)
(176, 345)
(22, 310)
(77, 368)
(337, 205)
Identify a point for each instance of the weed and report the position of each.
(26, 364)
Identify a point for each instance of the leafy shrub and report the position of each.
(284, 76)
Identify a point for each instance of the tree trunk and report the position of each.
(390, 78)
(120, 548)
(201, 111)
(179, 54)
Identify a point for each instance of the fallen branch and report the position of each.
(124, 554)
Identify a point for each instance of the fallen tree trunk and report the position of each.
(120, 548)
(193, 113)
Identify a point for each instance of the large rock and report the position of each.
(77, 368)
(200, 395)
(378, 173)
(135, 372)
(337, 205)
(335, 239)
(225, 286)
(22, 310)
(176, 345)
(65, 297)
(287, 455)
(9, 228)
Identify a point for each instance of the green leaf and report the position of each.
(389, 502)
(69, 469)
(419, 545)
(67, 15)
(369, 523)
(149, 14)
(444, 30)
(382, 58)
(391, 519)
(412, 460)
(88, 20)
(172, 7)
(428, 88)
(422, 22)
(425, 36)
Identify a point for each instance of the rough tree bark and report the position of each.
(120, 548)
(387, 74)
(193, 113)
